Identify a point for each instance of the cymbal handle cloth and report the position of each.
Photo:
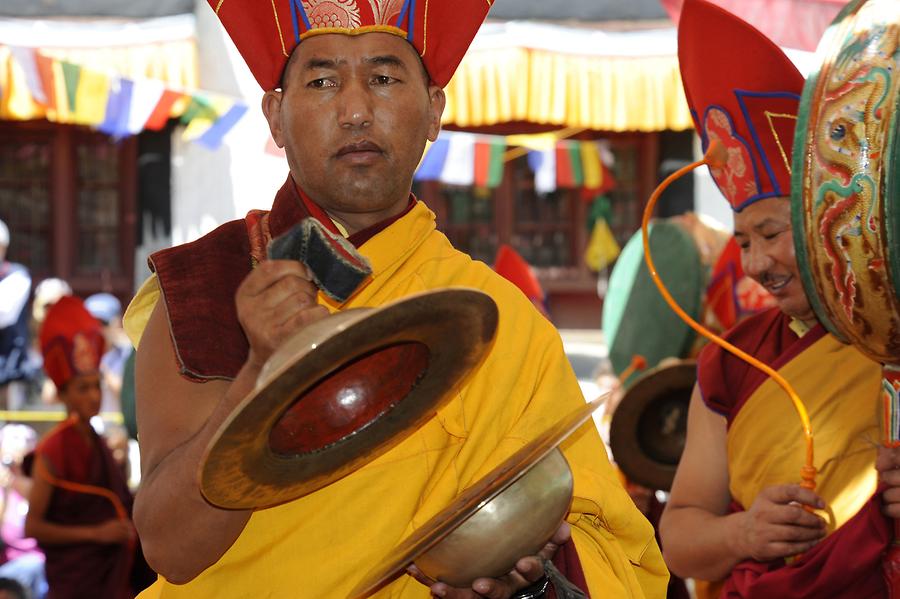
(337, 268)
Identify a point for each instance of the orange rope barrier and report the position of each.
(715, 155)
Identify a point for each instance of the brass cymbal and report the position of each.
(343, 391)
(474, 498)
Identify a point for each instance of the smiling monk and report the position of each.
(736, 514)
(353, 107)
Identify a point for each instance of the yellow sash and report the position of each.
(840, 388)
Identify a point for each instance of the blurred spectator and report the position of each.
(15, 367)
(11, 589)
(107, 309)
(47, 293)
(116, 438)
(21, 558)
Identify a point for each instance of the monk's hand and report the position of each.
(274, 301)
(778, 524)
(527, 571)
(888, 466)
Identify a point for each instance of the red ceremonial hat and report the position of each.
(71, 341)
(266, 33)
(745, 92)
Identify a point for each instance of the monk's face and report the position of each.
(353, 117)
(764, 233)
(82, 396)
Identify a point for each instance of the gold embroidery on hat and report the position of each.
(219, 5)
(341, 14)
(385, 11)
(769, 117)
(358, 31)
(424, 30)
(278, 27)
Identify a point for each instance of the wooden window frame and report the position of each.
(63, 242)
(578, 278)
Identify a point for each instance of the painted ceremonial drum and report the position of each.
(845, 184)
(636, 319)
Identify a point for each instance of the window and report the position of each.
(68, 197)
(548, 230)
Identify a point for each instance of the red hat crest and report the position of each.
(744, 92)
(71, 341)
(266, 33)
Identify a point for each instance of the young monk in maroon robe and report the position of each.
(79, 504)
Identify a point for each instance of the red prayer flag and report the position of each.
(45, 71)
(160, 115)
(564, 175)
(482, 163)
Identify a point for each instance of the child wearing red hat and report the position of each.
(79, 505)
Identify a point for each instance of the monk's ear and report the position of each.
(271, 107)
(437, 102)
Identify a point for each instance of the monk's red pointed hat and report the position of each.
(71, 341)
(743, 91)
(266, 33)
(513, 267)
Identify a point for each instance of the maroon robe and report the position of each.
(847, 564)
(85, 570)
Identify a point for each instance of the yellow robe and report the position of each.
(840, 388)
(322, 544)
(765, 445)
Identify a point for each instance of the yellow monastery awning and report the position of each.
(586, 79)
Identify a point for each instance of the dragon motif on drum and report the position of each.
(842, 186)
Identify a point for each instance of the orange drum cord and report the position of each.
(638, 363)
(715, 155)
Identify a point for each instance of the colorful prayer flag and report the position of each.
(91, 98)
(71, 75)
(118, 106)
(163, 110)
(543, 163)
(565, 176)
(433, 162)
(489, 161)
(213, 136)
(590, 162)
(145, 96)
(205, 116)
(28, 61)
(459, 166)
(61, 112)
(48, 83)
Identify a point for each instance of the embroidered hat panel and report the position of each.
(266, 33)
(743, 91)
